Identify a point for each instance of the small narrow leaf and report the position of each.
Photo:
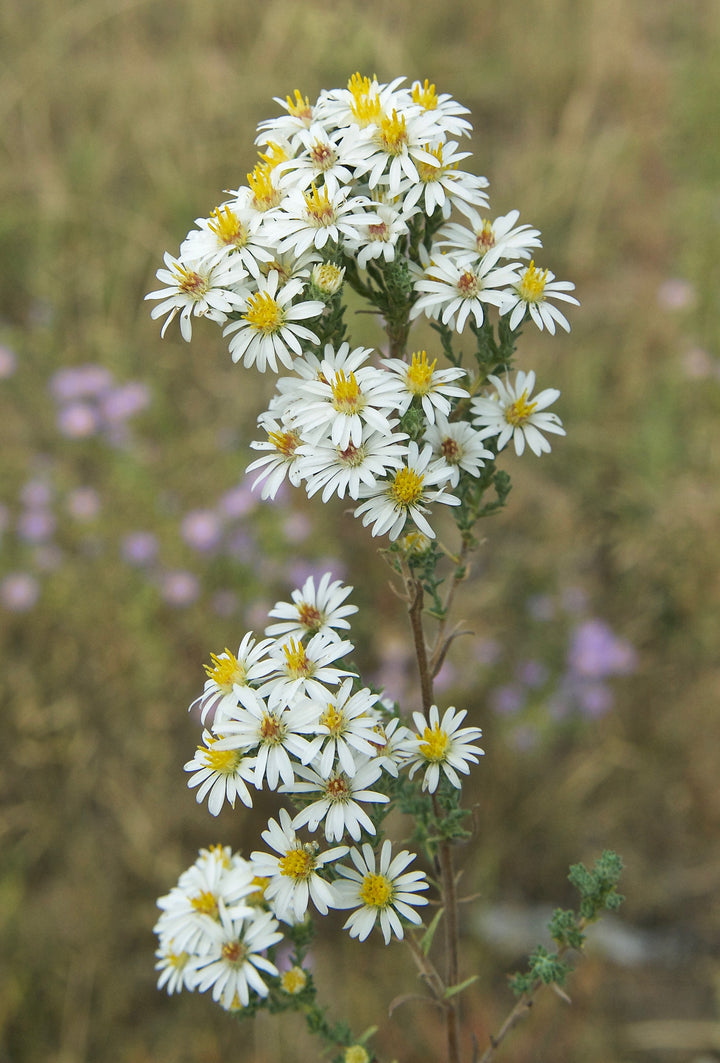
(427, 938)
(453, 989)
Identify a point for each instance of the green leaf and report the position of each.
(427, 938)
(453, 989)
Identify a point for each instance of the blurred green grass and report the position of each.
(122, 122)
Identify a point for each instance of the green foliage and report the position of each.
(597, 889)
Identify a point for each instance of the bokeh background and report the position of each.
(132, 547)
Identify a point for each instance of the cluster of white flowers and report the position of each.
(361, 188)
(364, 178)
(282, 715)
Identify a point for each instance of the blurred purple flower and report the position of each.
(238, 501)
(201, 529)
(83, 503)
(596, 652)
(297, 527)
(541, 606)
(78, 420)
(139, 548)
(506, 700)
(36, 493)
(36, 525)
(19, 591)
(533, 674)
(179, 588)
(8, 362)
(488, 651)
(594, 699)
(225, 603)
(80, 381)
(676, 294)
(125, 401)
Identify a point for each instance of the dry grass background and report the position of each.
(122, 121)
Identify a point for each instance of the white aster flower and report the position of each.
(199, 288)
(268, 329)
(313, 610)
(319, 159)
(275, 734)
(338, 800)
(445, 110)
(228, 670)
(230, 232)
(231, 968)
(347, 724)
(305, 668)
(298, 119)
(390, 742)
(294, 878)
(313, 218)
(220, 774)
(344, 470)
(443, 744)
(481, 235)
(441, 184)
(281, 460)
(380, 889)
(459, 445)
(405, 494)
(513, 414)
(345, 396)
(531, 293)
(422, 381)
(380, 237)
(396, 144)
(453, 289)
(176, 969)
(217, 877)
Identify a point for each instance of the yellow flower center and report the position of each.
(425, 95)
(205, 903)
(419, 374)
(519, 411)
(376, 891)
(434, 744)
(265, 195)
(332, 719)
(264, 314)
(322, 155)
(300, 107)
(352, 456)
(294, 980)
(380, 232)
(260, 882)
(407, 487)
(298, 863)
(319, 209)
(221, 851)
(365, 105)
(468, 285)
(275, 154)
(298, 664)
(222, 761)
(309, 616)
(177, 959)
(427, 171)
(227, 227)
(234, 952)
(532, 285)
(392, 135)
(327, 277)
(225, 671)
(337, 788)
(347, 396)
(191, 283)
(285, 442)
(272, 731)
(450, 451)
(485, 237)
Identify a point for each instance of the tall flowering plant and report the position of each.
(364, 190)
